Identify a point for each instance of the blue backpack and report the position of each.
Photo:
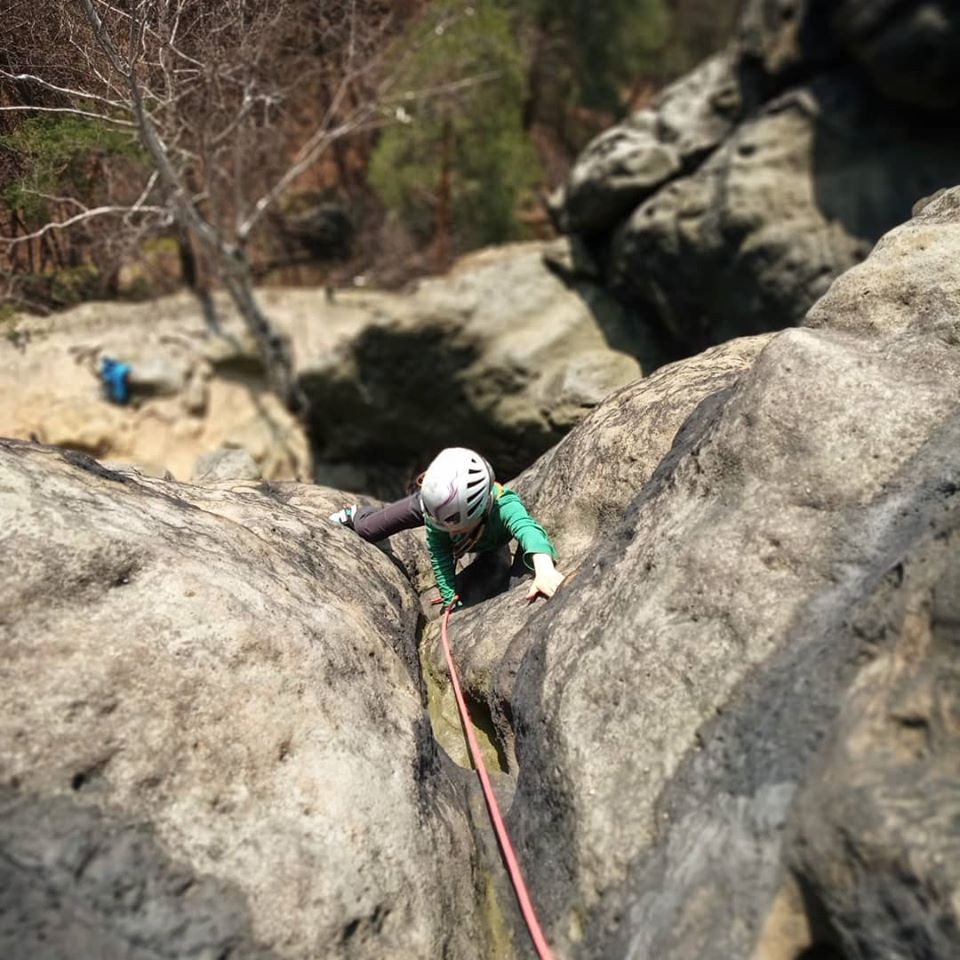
(115, 377)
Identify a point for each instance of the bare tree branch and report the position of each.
(103, 118)
(79, 218)
(306, 157)
(66, 91)
(142, 199)
(441, 89)
(233, 102)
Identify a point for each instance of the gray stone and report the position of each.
(756, 235)
(873, 838)
(697, 112)
(613, 174)
(157, 375)
(212, 731)
(225, 464)
(745, 682)
(795, 155)
(733, 732)
(500, 354)
(124, 897)
(911, 283)
(630, 161)
(50, 388)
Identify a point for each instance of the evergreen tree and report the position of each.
(456, 167)
(611, 43)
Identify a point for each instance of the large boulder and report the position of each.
(811, 135)
(873, 845)
(731, 733)
(576, 490)
(910, 283)
(795, 196)
(734, 729)
(630, 161)
(723, 644)
(193, 389)
(213, 737)
(504, 353)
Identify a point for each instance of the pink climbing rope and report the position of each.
(513, 868)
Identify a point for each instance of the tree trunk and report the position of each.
(227, 259)
(444, 190)
(274, 348)
(196, 276)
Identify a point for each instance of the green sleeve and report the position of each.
(443, 563)
(524, 529)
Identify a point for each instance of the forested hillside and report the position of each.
(400, 135)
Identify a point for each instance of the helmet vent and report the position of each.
(456, 489)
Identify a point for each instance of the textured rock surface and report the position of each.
(212, 734)
(731, 733)
(225, 464)
(910, 283)
(719, 651)
(735, 725)
(193, 390)
(874, 839)
(517, 345)
(797, 195)
(512, 354)
(803, 153)
(577, 491)
(627, 163)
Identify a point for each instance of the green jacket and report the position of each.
(507, 520)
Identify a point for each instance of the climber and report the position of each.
(464, 510)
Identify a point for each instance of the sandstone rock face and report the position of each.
(225, 464)
(887, 786)
(734, 729)
(627, 163)
(720, 645)
(193, 390)
(759, 232)
(801, 156)
(501, 355)
(586, 482)
(212, 735)
(732, 732)
(910, 283)
(506, 353)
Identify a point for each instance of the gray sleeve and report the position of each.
(378, 523)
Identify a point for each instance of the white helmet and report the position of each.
(456, 489)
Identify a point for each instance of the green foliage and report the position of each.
(73, 285)
(606, 45)
(55, 149)
(63, 288)
(474, 132)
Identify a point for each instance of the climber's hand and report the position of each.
(546, 577)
